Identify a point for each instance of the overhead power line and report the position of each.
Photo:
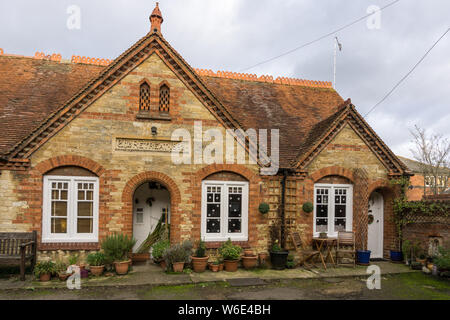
(407, 75)
(320, 38)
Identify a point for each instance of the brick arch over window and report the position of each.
(35, 185)
(175, 199)
(332, 171)
(70, 160)
(254, 217)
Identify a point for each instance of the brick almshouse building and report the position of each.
(85, 151)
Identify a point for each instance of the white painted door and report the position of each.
(375, 234)
(146, 217)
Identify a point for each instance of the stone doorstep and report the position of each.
(268, 276)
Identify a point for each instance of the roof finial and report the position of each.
(156, 19)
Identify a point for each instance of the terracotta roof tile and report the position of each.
(31, 89)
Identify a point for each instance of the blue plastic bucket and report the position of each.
(396, 255)
(363, 257)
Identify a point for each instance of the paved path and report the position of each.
(153, 275)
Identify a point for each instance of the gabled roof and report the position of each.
(323, 132)
(41, 97)
(141, 50)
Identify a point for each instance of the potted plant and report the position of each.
(200, 259)
(442, 261)
(61, 270)
(215, 266)
(231, 254)
(249, 260)
(407, 251)
(175, 257)
(117, 248)
(44, 269)
(278, 256)
(158, 250)
(96, 263)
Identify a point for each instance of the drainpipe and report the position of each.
(283, 208)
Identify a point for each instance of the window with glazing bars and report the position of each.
(164, 98)
(144, 97)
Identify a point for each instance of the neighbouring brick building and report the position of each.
(423, 183)
(85, 150)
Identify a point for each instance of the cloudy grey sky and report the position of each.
(235, 34)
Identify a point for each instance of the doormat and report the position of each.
(245, 282)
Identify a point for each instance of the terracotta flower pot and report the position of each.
(45, 277)
(231, 265)
(63, 276)
(122, 267)
(97, 270)
(178, 266)
(249, 262)
(163, 264)
(214, 267)
(199, 264)
(248, 253)
(140, 257)
(263, 258)
(221, 267)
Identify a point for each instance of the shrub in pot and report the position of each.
(44, 270)
(176, 257)
(96, 263)
(200, 259)
(61, 270)
(442, 260)
(158, 250)
(231, 254)
(117, 248)
(278, 257)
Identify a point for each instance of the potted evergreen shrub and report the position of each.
(200, 259)
(176, 257)
(231, 254)
(96, 263)
(44, 270)
(278, 257)
(158, 250)
(117, 248)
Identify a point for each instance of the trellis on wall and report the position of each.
(361, 207)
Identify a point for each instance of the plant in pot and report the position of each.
(44, 270)
(158, 250)
(278, 256)
(175, 257)
(117, 248)
(200, 259)
(61, 270)
(407, 251)
(249, 260)
(231, 254)
(215, 266)
(96, 263)
(442, 261)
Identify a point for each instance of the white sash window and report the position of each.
(333, 208)
(70, 209)
(224, 210)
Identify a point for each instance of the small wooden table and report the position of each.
(325, 244)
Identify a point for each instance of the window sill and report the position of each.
(152, 115)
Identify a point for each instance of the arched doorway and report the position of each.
(151, 202)
(376, 223)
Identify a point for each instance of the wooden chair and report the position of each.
(305, 255)
(345, 246)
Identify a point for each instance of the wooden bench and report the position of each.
(18, 247)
